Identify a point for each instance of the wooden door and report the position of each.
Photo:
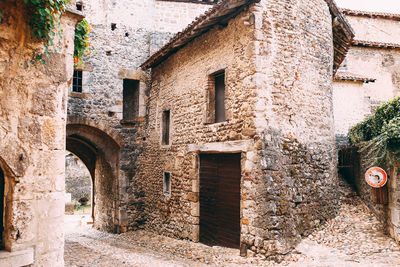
(220, 199)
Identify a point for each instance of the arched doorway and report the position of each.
(100, 154)
(78, 187)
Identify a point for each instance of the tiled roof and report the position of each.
(222, 12)
(348, 76)
(375, 44)
(371, 14)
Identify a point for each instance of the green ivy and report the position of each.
(45, 19)
(81, 42)
(379, 134)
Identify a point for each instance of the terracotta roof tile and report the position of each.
(370, 14)
(226, 9)
(348, 76)
(375, 44)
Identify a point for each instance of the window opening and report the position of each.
(165, 127)
(79, 6)
(77, 81)
(130, 99)
(167, 183)
(113, 26)
(219, 97)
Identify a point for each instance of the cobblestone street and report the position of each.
(353, 238)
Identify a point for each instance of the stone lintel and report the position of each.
(132, 74)
(78, 95)
(222, 147)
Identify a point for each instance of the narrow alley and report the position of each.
(353, 238)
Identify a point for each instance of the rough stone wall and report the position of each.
(387, 212)
(173, 16)
(279, 110)
(294, 186)
(394, 203)
(180, 84)
(378, 63)
(32, 132)
(77, 178)
(116, 55)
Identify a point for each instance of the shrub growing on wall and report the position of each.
(379, 134)
(44, 21)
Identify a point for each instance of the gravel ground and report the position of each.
(353, 238)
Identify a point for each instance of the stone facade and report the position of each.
(279, 118)
(371, 78)
(32, 132)
(383, 202)
(77, 178)
(373, 70)
(124, 34)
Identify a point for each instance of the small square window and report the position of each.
(77, 81)
(167, 183)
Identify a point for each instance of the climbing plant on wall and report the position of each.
(44, 20)
(379, 134)
(81, 42)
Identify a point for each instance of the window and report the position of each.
(215, 109)
(167, 183)
(219, 83)
(130, 99)
(113, 26)
(77, 81)
(165, 127)
(79, 6)
(2, 185)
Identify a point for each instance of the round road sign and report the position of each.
(376, 177)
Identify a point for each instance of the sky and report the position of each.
(390, 6)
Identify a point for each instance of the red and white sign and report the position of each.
(376, 177)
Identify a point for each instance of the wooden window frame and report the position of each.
(77, 84)
(210, 117)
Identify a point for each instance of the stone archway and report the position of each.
(100, 153)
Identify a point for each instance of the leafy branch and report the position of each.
(379, 134)
(81, 42)
(45, 18)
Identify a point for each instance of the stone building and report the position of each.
(103, 134)
(370, 73)
(369, 77)
(33, 99)
(239, 145)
